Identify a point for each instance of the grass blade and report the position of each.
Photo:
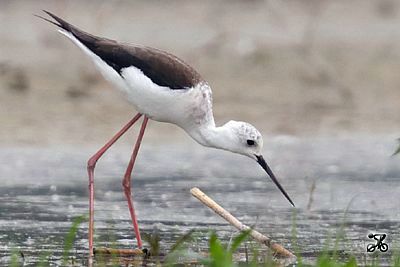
(70, 237)
(217, 251)
(238, 240)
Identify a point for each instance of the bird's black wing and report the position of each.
(162, 68)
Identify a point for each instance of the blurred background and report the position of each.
(320, 79)
(300, 68)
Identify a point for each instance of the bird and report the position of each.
(163, 88)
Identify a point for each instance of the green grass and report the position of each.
(70, 238)
(221, 254)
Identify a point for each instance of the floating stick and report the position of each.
(121, 252)
(278, 249)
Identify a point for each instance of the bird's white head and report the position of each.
(243, 138)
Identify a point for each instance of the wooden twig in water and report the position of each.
(275, 247)
(121, 252)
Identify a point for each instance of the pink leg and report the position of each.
(90, 167)
(126, 183)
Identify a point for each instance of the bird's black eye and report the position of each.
(250, 142)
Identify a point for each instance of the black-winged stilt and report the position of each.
(163, 88)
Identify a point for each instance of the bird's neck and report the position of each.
(212, 136)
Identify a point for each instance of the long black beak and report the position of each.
(265, 166)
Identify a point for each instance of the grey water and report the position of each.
(357, 186)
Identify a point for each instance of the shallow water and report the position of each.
(43, 189)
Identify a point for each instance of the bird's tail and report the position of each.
(59, 22)
(85, 38)
(91, 45)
